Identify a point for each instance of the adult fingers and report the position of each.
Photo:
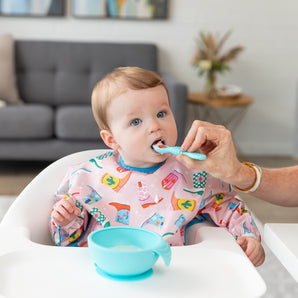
(191, 135)
(204, 136)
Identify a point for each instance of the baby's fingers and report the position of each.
(64, 210)
(70, 206)
(57, 217)
(242, 242)
(254, 251)
(259, 260)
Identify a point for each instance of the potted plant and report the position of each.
(209, 60)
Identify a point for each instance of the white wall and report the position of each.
(267, 69)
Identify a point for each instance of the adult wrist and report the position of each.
(250, 178)
(242, 176)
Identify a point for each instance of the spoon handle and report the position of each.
(176, 151)
(194, 155)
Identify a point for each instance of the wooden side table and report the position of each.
(227, 111)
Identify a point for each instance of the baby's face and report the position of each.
(138, 119)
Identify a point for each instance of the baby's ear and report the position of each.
(108, 139)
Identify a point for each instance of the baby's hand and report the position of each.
(65, 211)
(253, 249)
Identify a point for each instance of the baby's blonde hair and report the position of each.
(116, 83)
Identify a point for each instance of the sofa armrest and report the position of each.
(178, 100)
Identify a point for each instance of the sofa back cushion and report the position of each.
(59, 73)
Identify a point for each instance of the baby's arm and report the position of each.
(232, 214)
(226, 209)
(253, 249)
(67, 221)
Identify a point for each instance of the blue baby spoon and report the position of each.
(161, 148)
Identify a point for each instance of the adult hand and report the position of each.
(215, 141)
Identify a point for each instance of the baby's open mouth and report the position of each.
(159, 141)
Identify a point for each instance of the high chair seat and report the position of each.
(212, 265)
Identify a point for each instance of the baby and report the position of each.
(136, 186)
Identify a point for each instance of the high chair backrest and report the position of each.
(31, 209)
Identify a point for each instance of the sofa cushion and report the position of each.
(26, 122)
(8, 87)
(71, 69)
(76, 123)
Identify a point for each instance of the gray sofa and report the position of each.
(55, 81)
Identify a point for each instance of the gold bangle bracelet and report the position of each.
(258, 177)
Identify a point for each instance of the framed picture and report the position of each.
(125, 9)
(89, 8)
(32, 8)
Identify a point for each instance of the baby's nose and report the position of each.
(154, 126)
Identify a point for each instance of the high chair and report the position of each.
(211, 265)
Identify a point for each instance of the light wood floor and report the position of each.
(14, 176)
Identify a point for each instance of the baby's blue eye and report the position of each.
(161, 114)
(135, 122)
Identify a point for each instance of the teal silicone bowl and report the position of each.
(127, 251)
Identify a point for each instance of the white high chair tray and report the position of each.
(215, 267)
